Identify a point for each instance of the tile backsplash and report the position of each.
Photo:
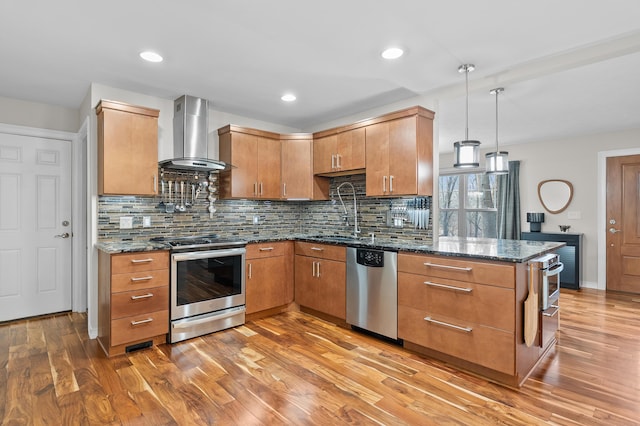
(252, 218)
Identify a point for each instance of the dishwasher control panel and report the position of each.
(370, 258)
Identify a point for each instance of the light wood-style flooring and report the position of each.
(295, 369)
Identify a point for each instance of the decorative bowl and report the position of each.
(564, 228)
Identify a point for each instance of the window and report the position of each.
(468, 205)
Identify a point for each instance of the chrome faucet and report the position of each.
(356, 229)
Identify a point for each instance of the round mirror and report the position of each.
(555, 194)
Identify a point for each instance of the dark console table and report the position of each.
(570, 255)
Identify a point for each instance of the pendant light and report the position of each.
(467, 153)
(497, 162)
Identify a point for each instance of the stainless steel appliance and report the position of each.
(544, 272)
(207, 285)
(190, 143)
(372, 290)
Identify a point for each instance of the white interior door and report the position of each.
(35, 226)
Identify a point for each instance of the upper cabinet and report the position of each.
(394, 150)
(298, 181)
(399, 154)
(339, 152)
(255, 157)
(127, 149)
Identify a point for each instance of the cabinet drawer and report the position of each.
(478, 303)
(139, 302)
(139, 280)
(322, 251)
(462, 270)
(259, 250)
(138, 327)
(486, 346)
(143, 261)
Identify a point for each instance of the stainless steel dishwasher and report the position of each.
(372, 290)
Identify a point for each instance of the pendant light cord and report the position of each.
(466, 79)
(497, 93)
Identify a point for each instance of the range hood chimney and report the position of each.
(190, 129)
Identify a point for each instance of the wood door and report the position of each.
(623, 223)
(243, 154)
(35, 215)
(128, 153)
(323, 151)
(351, 150)
(403, 170)
(268, 167)
(266, 283)
(297, 178)
(377, 159)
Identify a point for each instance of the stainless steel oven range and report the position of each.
(207, 285)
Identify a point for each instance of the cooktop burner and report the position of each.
(199, 242)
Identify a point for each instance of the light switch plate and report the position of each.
(574, 215)
(126, 222)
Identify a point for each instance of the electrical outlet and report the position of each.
(574, 215)
(126, 222)
(146, 221)
(256, 220)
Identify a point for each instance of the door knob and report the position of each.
(614, 230)
(63, 235)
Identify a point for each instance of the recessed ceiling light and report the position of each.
(151, 56)
(392, 53)
(289, 97)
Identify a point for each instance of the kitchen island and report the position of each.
(460, 301)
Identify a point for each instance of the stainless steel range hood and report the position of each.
(190, 145)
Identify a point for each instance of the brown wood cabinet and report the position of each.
(338, 152)
(399, 155)
(320, 278)
(255, 155)
(298, 180)
(133, 300)
(469, 313)
(269, 280)
(127, 149)
(460, 308)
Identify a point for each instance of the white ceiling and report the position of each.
(568, 67)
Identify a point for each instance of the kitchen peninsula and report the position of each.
(460, 301)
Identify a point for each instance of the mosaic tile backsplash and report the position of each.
(251, 218)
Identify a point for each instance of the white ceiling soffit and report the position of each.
(567, 67)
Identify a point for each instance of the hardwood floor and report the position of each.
(296, 369)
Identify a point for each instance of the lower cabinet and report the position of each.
(269, 280)
(133, 300)
(320, 278)
(459, 308)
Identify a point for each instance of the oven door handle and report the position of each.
(559, 267)
(191, 323)
(207, 254)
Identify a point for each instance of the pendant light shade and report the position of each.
(497, 162)
(467, 152)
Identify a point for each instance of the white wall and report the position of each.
(38, 115)
(575, 160)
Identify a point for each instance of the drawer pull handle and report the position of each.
(446, 324)
(448, 287)
(317, 248)
(142, 296)
(141, 260)
(134, 279)
(557, 309)
(266, 248)
(455, 268)
(144, 321)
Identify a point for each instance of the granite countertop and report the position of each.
(516, 251)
